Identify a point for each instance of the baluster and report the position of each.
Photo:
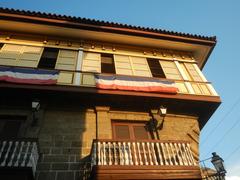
(109, 153)
(130, 154)
(17, 163)
(125, 154)
(104, 153)
(179, 155)
(135, 154)
(173, 154)
(164, 154)
(154, 154)
(94, 156)
(144, 153)
(95, 153)
(169, 155)
(10, 163)
(35, 152)
(149, 153)
(120, 154)
(186, 154)
(139, 153)
(99, 157)
(29, 162)
(25, 155)
(4, 163)
(158, 154)
(34, 158)
(183, 154)
(2, 148)
(191, 156)
(115, 154)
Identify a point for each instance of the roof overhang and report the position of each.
(200, 47)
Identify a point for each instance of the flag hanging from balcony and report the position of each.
(135, 84)
(28, 75)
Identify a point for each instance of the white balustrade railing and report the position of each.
(19, 153)
(137, 153)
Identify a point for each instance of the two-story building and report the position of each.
(83, 98)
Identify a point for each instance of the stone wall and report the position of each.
(65, 141)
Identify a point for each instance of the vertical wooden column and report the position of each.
(77, 80)
(103, 123)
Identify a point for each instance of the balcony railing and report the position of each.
(142, 153)
(214, 177)
(19, 153)
(80, 78)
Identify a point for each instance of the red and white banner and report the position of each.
(131, 83)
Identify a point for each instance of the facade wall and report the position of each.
(65, 138)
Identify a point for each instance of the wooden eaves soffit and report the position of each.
(48, 24)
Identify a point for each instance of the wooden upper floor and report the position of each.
(78, 63)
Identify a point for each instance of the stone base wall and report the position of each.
(65, 141)
(65, 136)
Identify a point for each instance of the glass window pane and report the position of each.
(140, 132)
(122, 132)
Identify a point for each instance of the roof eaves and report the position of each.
(104, 23)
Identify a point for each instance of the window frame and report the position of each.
(160, 67)
(131, 125)
(44, 59)
(113, 68)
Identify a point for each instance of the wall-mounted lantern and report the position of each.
(35, 109)
(217, 161)
(162, 111)
(156, 122)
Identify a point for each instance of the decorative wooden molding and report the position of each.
(102, 108)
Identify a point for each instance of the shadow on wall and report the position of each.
(65, 129)
(65, 140)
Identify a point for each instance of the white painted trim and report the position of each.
(213, 91)
(77, 80)
(199, 72)
(182, 73)
(187, 84)
(189, 88)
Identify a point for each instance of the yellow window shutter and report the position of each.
(10, 53)
(181, 87)
(91, 62)
(123, 65)
(170, 70)
(14, 48)
(193, 72)
(66, 59)
(140, 66)
(30, 56)
(65, 77)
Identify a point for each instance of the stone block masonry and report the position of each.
(65, 141)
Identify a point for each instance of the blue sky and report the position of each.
(205, 17)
